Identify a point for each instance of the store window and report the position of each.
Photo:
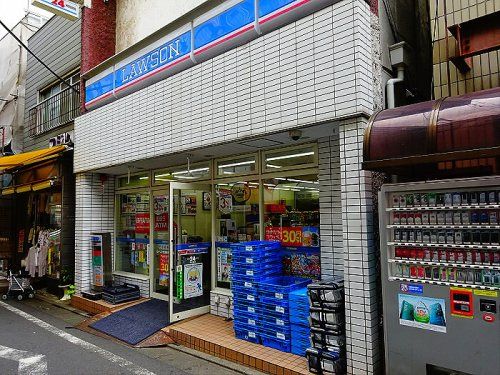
(134, 180)
(290, 158)
(237, 220)
(291, 216)
(132, 233)
(237, 166)
(183, 173)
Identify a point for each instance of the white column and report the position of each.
(360, 268)
(94, 213)
(330, 208)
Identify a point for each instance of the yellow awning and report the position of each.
(27, 158)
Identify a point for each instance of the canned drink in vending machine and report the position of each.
(410, 218)
(492, 197)
(398, 272)
(395, 218)
(442, 255)
(467, 237)
(457, 217)
(464, 198)
(427, 254)
(470, 276)
(452, 274)
(473, 198)
(476, 257)
(416, 199)
(474, 217)
(457, 199)
(417, 218)
(425, 218)
(424, 200)
(466, 218)
(440, 199)
(420, 272)
(485, 237)
(435, 273)
(468, 258)
(418, 235)
(494, 238)
(483, 198)
(395, 200)
(431, 198)
(411, 236)
(402, 218)
(448, 199)
(434, 236)
(413, 272)
(450, 237)
(443, 274)
(397, 235)
(458, 237)
(484, 217)
(428, 272)
(461, 275)
(448, 217)
(435, 255)
(432, 218)
(493, 218)
(409, 200)
(405, 269)
(402, 201)
(426, 236)
(478, 277)
(442, 237)
(496, 257)
(441, 218)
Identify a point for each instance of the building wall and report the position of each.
(57, 44)
(135, 19)
(313, 70)
(485, 67)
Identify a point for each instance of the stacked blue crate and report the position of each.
(299, 321)
(274, 292)
(251, 262)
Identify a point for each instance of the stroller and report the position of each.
(19, 287)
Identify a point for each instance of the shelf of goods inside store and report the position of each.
(275, 330)
(327, 353)
(251, 262)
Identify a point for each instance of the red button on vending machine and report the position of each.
(461, 302)
(489, 318)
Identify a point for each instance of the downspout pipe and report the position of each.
(391, 95)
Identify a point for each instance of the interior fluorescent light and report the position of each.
(237, 164)
(303, 181)
(143, 178)
(291, 156)
(273, 166)
(162, 179)
(191, 171)
(163, 175)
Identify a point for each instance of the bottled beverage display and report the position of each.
(448, 237)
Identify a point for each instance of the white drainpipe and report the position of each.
(391, 99)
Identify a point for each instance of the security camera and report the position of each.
(295, 134)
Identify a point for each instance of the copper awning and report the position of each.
(455, 128)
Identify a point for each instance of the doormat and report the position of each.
(134, 324)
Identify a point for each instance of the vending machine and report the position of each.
(440, 254)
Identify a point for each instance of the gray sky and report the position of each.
(12, 11)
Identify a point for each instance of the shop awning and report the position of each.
(459, 128)
(27, 158)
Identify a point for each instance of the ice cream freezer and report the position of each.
(440, 254)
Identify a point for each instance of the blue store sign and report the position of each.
(227, 26)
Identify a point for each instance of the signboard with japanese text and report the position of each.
(63, 8)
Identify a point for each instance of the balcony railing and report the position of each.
(55, 111)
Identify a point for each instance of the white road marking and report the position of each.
(29, 363)
(117, 360)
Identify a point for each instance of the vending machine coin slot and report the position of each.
(461, 303)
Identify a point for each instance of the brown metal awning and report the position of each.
(425, 134)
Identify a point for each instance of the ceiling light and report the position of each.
(291, 156)
(237, 164)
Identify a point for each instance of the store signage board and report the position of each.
(61, 139)
(232, 23)
(63, 8)
(411, 288)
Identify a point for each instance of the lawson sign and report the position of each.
(227, 26)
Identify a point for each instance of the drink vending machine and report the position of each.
(440, 254)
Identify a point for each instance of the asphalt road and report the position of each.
(37, 338)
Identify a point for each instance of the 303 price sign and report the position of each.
(291, 236)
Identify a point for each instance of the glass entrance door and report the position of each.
(160, 253)
(190, 258)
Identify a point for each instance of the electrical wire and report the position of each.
(36, 57)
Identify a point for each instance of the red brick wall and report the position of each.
(98, 35)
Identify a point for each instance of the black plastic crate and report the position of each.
(326, 293)
(327, 340)
(325, 363)
(327, 320)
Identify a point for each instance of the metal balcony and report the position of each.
(55, 111)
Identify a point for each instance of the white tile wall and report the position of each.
(360, 269)
(221, 305)
(312, 70)
(94, 213)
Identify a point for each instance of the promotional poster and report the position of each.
(422, 312)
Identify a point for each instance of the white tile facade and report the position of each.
(360, 268)
(94, 214)
(315, 70)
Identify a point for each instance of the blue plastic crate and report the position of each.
(247, 291)
(280, 287)
(300, 331)
(299, 316)
(300, 349)
(246, 306)
(252, 277)
(276, 320)
(250, 321)
(274, 301)
(299, 297)
(251, 246)
(248, 297)
(257, 267)
(278, 331)
(275, 309)
(245, 285)
(276, 343)
(248, 259)
(245, 332)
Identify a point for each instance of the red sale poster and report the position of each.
(273, 234)
(142, 223)
(161, 222)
